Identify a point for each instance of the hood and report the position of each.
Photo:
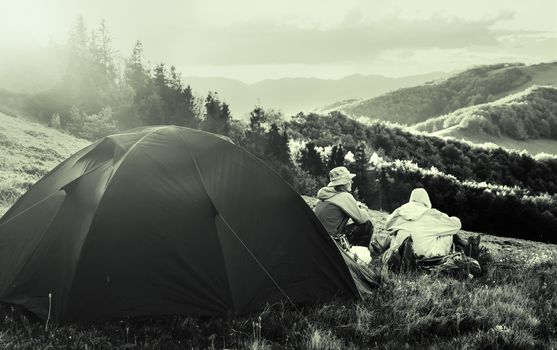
(420, 196)
(411, 211)
(326, 193)
(418, 204)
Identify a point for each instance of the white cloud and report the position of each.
(267, 43)
(327, 38)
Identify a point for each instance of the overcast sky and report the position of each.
(252, 40)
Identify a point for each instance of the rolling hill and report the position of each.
(533, 146)
(474, 86)
(292, 95)
(525, 120)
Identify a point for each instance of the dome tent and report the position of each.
(165, 220)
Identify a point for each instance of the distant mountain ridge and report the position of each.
(293, 95)
(474, 86)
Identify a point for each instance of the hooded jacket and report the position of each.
(334, 208)
(431, 230)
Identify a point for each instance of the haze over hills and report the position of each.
(474, 86)
(292, 95)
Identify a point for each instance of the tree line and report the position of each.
(460, 159)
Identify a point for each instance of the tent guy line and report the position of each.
(194, 160)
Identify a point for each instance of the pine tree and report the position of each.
(106, 54)
(159, 78)
(179, 100)
(362, 183)
(76, 80)
(162, 96)
(217, 115)
(255, 136)
(78, 35)
(136, 75)
(256, 120)
(224, 118)
(277, 145)
(136, 78)
(187, 116)
(336, 157)
(89, 82)
(311, 161)
(212, 108)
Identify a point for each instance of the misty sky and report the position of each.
(252, 40)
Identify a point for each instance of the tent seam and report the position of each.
(217, 212)
(108, 182)
(236, 235)
(304, 206)
(315, 220)
(91, 146)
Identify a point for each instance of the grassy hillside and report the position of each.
(27, 152)
(533, 147)
(513, 304)
(529, 114)
(474, 86)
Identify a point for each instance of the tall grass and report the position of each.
(516, 309)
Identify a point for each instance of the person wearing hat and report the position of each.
(337, 205)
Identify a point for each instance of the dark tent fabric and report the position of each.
(166, 220)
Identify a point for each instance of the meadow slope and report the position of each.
(512, 305)
(533, 146)
(27, 152)
(525, 120)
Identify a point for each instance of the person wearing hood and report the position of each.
(337, 205)
(431, 230)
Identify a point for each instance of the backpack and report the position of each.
(456, 264)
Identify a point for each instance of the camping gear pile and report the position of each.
(461, 262)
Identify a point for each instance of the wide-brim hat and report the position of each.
(340, 176)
